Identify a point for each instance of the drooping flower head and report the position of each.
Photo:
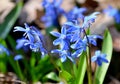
(62, 39)
(99, 58)
(33, 39)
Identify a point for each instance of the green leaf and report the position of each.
(3, 59)
(52, 76)
(65, 76)
(10, 20)
(107, 49)
(81, 69)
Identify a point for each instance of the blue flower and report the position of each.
(99, 58)
(79, 47)
(61, 38)
(36, 47)
(20, 43)
(27, 30)
(81, 44)
(110, 11)
(4, 50)
(64, 54)
(35, 39)
(88, 20)
(92, 39)
(113, 12)
(18, 57)
(75, 14)
(52, 11)
(74, 31)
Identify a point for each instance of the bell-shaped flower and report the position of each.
(99, 58)
(61, 38)
(88, 20)
(64, 54)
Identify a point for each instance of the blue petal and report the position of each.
(97, 53)
(57, 41)
(94, 58)
(77, 53)
(64, 45)
(20, 43)
(63, 58)
(63, 30)
(55, 34)
(58, 3)
(17, 28)
(103, 55)
(18, 57)
(99, 62)
(104, 59)
(68, 24)
(26, 25)
(69, 57)
(56, 51)
(4, 50)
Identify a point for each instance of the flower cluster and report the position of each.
(53, 10)
(73, 39)
(33, 39)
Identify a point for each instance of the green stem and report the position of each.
(88, 71)
(88, 60)
(19, 71)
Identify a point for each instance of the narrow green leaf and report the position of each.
(32, 60)
(107, 49)
(3, 59)
(81, 69)
(10, 19)
(65, 76)
(52, 76)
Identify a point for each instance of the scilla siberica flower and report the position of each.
(18, 57)
(52, 11)
(99, 58)
(33, 38)
(64, 54)
(4, 50)
(62, 39)
(75, 14)
(113, 12)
